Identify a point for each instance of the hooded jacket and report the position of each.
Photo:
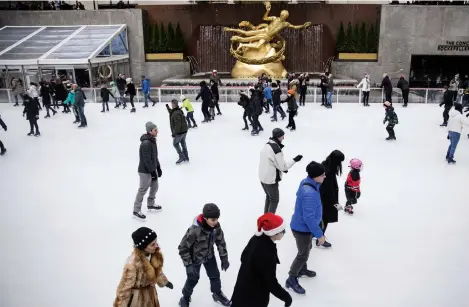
(205, 94)
(60, 91)
(403, 84)
(256, 102)
(16, 87)
(31, 108)
(105, 93)
(457, 121)
(70, 98)
(186, 104)
(276, 95)
(79, 97)
(131, 89)
(148, 155)
(33, 91)
(120, 84)
(114, 90)
(146, 86)
(272, 163)
(196, 246)
(308, 209)
(329, 189)
(365, 84)
(391, 116)
(45, 91)
(291, 102)
(244, 101)
(177, 121)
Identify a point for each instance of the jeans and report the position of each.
(213, 274)
(146, 96)
(278, 108)
(122, 96)
(105, 105)
(272, 197)
(189, 118)
(302, 97)
(145, 183)
(366, 97)
(75, 112)
(329, 98)
(249, 117)
(454, 140)
(268, 103)
(178, 142)
(465, 100)
(81, 113)
(304, 244)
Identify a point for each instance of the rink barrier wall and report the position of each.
(230, 94)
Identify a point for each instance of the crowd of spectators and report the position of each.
(41, 5)
(444, 2)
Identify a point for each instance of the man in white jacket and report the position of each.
(455, 125)
(271, 166)
(365, 86)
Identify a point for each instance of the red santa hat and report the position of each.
(270, 225)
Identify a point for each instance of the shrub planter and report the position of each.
(358, 57)
(164, 56)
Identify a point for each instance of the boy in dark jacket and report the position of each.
(404, 86)
(256, 102)
(105, 93)
(206, 96)
(448, 103)
(31, 109)
(246, 104)
(197, 249)
(257, 275)
(132, 92)
(276, 94)
(178, 131)
(45, 92)
(2, 148)
(292, 109)
(215, 98)
(391, 119)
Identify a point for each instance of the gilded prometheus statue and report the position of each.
(260, 48)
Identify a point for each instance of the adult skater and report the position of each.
(323, 87)
(197, 249)
(178, 131)
(80, 103)
(448, 103)
(215, 98)
(17, 89)
(142, 271)
(146, 91)
(271, 166)
(105, 93)
(2, 147)
(305, 224)
(34, 93)
(245, 102)
(276, 98)
(132, 92)
(61, 94)
(303, 87)
(365, 86)
(387, 86)
(455, 125)
(45, 93)
(116, 93)
(31, 110)
(454, 85)
(257, 277)
(330, 191)
(206, 96)
(186, 104)
(330, 90)
(149, 171)
(391, 119)
(292, 110)
(403, 84)
(121, 85)
(215, 77)
(256, 102)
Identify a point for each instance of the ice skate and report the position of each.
(116, 106)
(261, 129)
(293, 284)
(326, 244)
(184, 302)
(186, 160)
(180, 161)
(47, 116)
(82, 126)
(348, 209)
(195, 126)
(219, 113)
(76, 121)
(139, 216)
(3, 151)
(221, 299)
(37, 134)
(16, 105)
(206, 120)
(153, 104)
(304, 272)
(145, 106)
(451, 161)
(245, 128)
(132, 110)
(273, 120)
(444, 125)
(103, 111)
(389, 138)
(254, 132)
(31, 133)
(154, 208)
(293, 129)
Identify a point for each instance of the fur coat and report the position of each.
(137, 285)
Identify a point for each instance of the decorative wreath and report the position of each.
(103, 73)
(279, 46)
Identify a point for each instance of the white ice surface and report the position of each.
(67, 198)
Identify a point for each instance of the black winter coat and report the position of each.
(31, 108)
(329, 191)
(292, 106)
(403, 84)
(131, 89)
(323, 84)
(386, 84)
(244, 101)
(447, 99)
(148, 155)
(178, 122)
(120, 82)
(215, 93)
(205, 94)
(276, 94)
(257, 277)
(60, 92)
(45, 94)
(105, 93)
(256, 102)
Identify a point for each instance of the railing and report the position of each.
(231, 94)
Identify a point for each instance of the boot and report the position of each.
(139, 216)
(292, 283)
(451, 161)
(16, 105)
(31, 133)
(326, 244)
(103, 111)
(146, 105)
(153, 104)
(195, 126)
(444, 124)
(37, 133)
(3, 151)
(389, 138)
(348, 209)
(76, 121)
(82, 126)
(47, 116)
(221, 298)
(184, 301)
(181, 159)
(206, 120)
(245, 128)
(219, 113)
(307, 273)
(254, 132)
(132, 110)
(116, 106)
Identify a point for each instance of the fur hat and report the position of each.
(182, 97)
(128, 80)
(211, 211)
(143, 237)
(149, 126)
(315, 169)
(270, 225)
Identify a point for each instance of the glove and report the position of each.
(160, 172)
(338, 207)
(225, 265)
(169, 285)
(298, 158)
(288, 300)
(190, 271)
(154, 176)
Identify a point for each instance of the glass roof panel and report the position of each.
(39, 44)
(11, 35)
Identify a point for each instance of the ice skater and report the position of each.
(256, 102)
(455, 126)
(448, 103)
(178, 131)
(303, 87)
(17, 90)
(31, 110)
(105, 93)
(149, 170)
(365, 86)
(352, 185)
(276, 98)
(132, 92)
(2, 147)
(197, 249)
(186, 104)
(292, 110)
(206, 96)
(45, 93)
(80, 103)
(215, 98)
(245, 103)
(70, 101)
(403, 84)
(146, 91)
(116, 94)
(391, 119)
(267, 97)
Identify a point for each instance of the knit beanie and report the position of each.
(211, 211)
(277, 133)
(149, 126)
(315, 169)
(143, 237)
(270, 225)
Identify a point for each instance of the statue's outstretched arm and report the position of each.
(305, 25)
(267, 11)
(247, 24)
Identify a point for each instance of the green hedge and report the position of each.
(160, 40)
(357, 39)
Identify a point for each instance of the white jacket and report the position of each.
(33, 91)
(272, 164)
(456, 121)
(365, 84)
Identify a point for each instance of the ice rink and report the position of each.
(67, 200)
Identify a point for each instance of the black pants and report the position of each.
(323, 226)
(217, 105)
(291, 119)
(66, 108)
(48, 108)
(256, 125)
(1, 145)
(390, 130)
(366, 98)
(249, 117)
(32, 124)
(302, 97)
(455, 95)
(272, 197)
(132, 101)
(388, 96)
(323, 96)
(106, 104)
(189, 118)
(351, 196)
(446, 114)
(205, 111)
(405, 96)
(304, 244)
(213, 274)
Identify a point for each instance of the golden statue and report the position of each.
(261, 49)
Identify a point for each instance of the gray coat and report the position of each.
(16, 87)
(148, 155)
(197, 244)
(79, 97)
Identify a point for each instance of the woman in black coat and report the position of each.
(61, 94)
(257, 277)
(31, 110)
(45, 93)
(330, 190)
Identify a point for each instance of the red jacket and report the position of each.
(353, 180)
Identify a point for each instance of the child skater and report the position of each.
(71, 101)
(352, 185)
(196, 249)
(391, 119)
(143, 270)
(116, 94)
(186, 104)
(2, 148)
(105, 97)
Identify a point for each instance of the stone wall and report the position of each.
(158, 71)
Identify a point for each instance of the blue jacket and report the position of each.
(70, 98)
(268, 93)
(308, 209)
(146, 86)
